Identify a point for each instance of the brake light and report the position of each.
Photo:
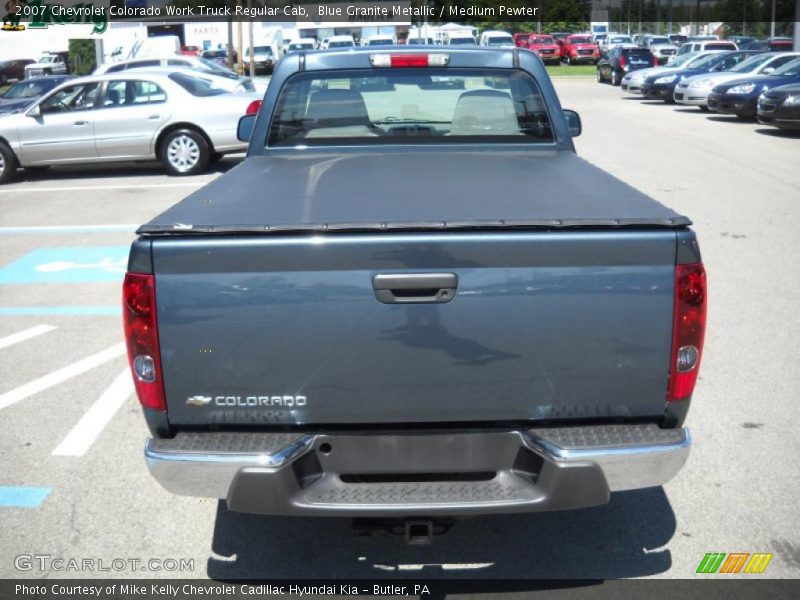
(409, 60)
(655, 60)
(688, 329)
(253, 107)
(622, 61)
(141, 335)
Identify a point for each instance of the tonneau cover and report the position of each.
(379, 190)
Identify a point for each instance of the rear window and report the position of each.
(636, 54)
(417, 106)
(196, 86)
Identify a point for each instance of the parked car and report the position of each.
(560, 37)
(772, 45)
(13, 70)
(420, 41)
(24, 93)
(461, 39)
(545, 47)
(661, 47)
(191, 50)
(677, 39)
(201, 65)
(340, 41)
(623, 60)
(780, 107)
(580, 49)
(263, 59)
(218, 56)
(381, 40)
(694, 91)
(301, 45)
(742, 41)
(390, 305)
(52, 63)
(702, 46)
(521, 39)
(662, 86)
(496, 39)
(632, 82)
(179, 117)
(740, 96)
(616, 39)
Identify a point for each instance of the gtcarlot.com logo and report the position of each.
(47, 562)
(735, 562)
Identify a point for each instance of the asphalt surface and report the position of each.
(72, 433)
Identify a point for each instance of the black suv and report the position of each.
(621, 60)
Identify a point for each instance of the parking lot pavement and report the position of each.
(74, 485)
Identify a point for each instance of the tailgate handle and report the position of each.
(399, 288)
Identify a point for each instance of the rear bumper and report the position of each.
(420, 473)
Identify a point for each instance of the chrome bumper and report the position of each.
(419, 473)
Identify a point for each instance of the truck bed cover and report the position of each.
(425, 190)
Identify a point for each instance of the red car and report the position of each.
(580, 48)
(191, 50)
(546, 47)
(521, 40)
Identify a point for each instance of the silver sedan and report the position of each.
(177, 117)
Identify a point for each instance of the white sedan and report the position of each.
(177, 117)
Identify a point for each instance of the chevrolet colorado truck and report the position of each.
(414, 301)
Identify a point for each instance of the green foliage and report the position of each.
(82, 57)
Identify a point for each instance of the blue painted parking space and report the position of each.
(20, 496)
(75, 264)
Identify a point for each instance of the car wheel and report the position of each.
(48, 72)
(185, 152)
(704, 108)
(599, 77)
(615, 78)
(569, 59)
(8, 164)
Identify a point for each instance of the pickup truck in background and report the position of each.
(414, 302)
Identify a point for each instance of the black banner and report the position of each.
(121, 589)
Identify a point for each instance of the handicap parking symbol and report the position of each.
(76, 264)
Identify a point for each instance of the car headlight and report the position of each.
(791, 101)
(745, 88)
(666, 79)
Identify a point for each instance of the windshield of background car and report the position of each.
(345, 44)
(789, 69)
(381, 42)
(499, 40)
(462, 41)
(410, 106)
(620, 40)
(660, 40)
(579, 40)
(196, 86)
(750, 63)
(543, 40)
(720, 46)
(27, 89)
(694, 61)
(260, 50)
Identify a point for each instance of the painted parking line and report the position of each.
(20, 496)
(21, 336)
(68, 229)
(68, 264)
(60, 311)
(86, 431)
(62, 375)
(102, 188)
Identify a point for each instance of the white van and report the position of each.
(460, 38)
(497, 39)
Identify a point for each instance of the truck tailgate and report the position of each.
(289, 329)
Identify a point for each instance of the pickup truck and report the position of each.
(414, 302)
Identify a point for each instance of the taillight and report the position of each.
(409, 60)
(622, 61)
(141, 335)
(688, 329)
(655, 61)
(253, 107)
